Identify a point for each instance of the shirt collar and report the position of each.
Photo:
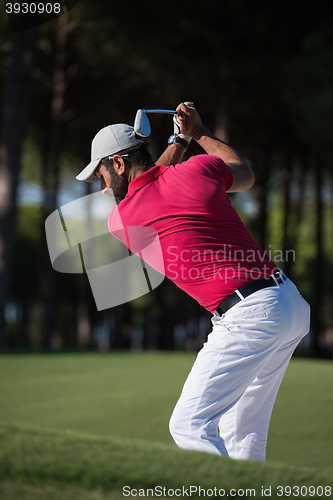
(145, 178)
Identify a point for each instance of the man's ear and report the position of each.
(119, 164)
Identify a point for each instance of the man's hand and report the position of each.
(176, 125)
(190, 122)
(174, 152)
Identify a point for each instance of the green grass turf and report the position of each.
(121, 404)
(65, 461)
(301, 429)
(13, 490)
(121, 394)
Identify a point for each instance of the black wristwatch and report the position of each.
(175, 138)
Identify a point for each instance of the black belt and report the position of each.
(246, 290)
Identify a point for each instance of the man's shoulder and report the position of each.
(204, 158)
(210, 166)
(205, 162)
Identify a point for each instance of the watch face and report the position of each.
(172, 139)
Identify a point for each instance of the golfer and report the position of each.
(258, 315)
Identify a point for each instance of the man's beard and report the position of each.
(119, 185)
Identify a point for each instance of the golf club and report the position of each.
(141, 122)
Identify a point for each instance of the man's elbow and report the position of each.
(249, 179)
(243, 179)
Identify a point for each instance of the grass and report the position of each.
(12, 490)
(60, 459)
(301, 430)
(81, 426)
(123, 394)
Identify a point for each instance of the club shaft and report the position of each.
(164, 111)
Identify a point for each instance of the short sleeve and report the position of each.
(213, 166)
(220, 170)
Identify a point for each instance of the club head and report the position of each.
(141, 124)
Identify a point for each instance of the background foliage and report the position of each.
(261, 77)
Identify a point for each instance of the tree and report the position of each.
(15, 108)
(51, 175)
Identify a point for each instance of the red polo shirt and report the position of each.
(206, 248)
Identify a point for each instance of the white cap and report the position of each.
(108, 141)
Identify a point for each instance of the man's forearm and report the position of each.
(214, 146)
(173, 154)
(242, 173)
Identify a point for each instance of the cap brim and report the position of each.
(87, 174)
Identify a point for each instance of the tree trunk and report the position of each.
(298, 217)
(318, 282)
(260, 188)
(84, 317)
(15, 109)
(221, 130)
(51, 178)
(286, 236)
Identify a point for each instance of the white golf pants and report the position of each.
(234, 381)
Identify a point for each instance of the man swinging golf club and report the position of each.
(259, 317)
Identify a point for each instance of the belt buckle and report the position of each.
(278, 276)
